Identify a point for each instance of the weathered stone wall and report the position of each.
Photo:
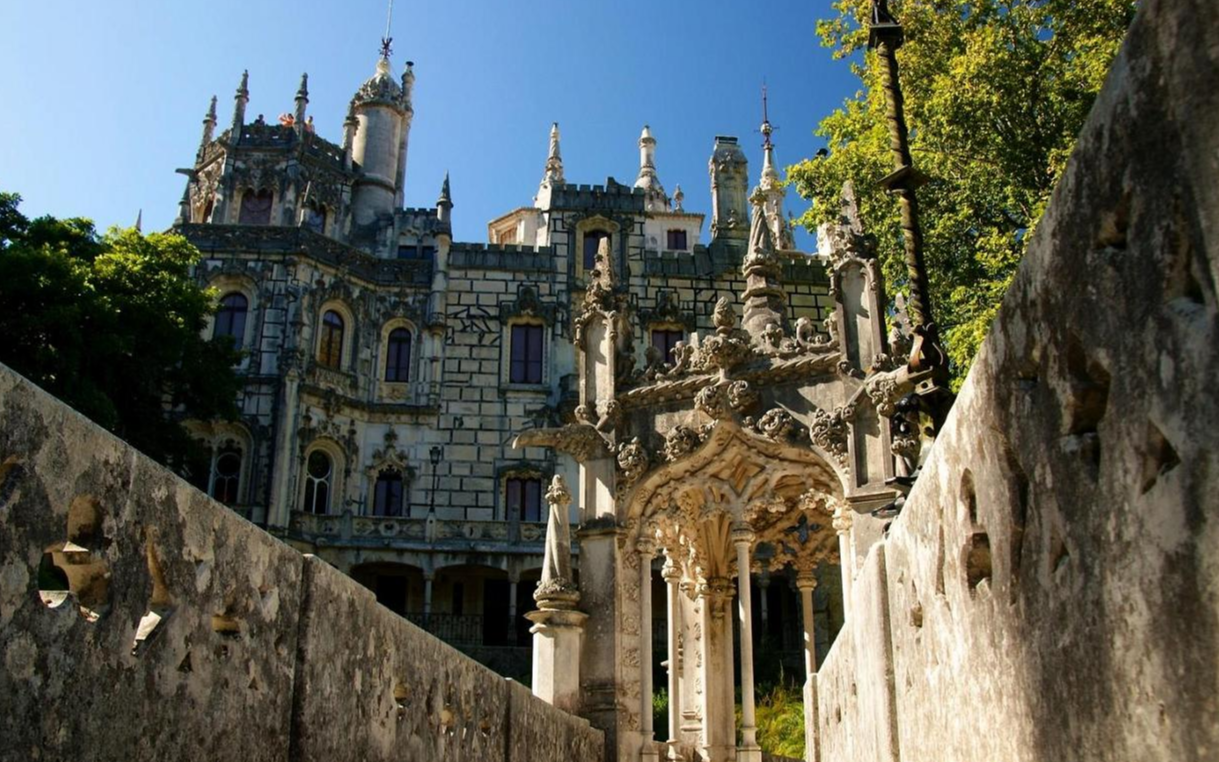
(257, 653)
(1051, 589)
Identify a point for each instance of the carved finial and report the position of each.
(678, 198)
(553, 174)
(302, 92)
(445, 199)
(725, 315)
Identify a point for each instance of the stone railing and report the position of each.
(447, 532)
(141, 620)
(1050, 590)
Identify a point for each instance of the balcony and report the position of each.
(418, 533)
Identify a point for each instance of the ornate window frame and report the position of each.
(216, 436)
(347, 354)
(249, 189)
(505, 379)
(337, 501)
(233, 283)
(520, 470)
(398, 391)
(595, 223)
(390, 458)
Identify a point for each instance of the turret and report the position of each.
(654, 194)
(552, 175)
(302, 100)
(239, 103)
(380, 109)
(764, 298)
(350, 125)
(729, 185)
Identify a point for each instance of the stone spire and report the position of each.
(771, 185)
(678, 198)
(444, 204)
(350, 125)
(654, 192)
(764, 298)
(240, 99)
(729, 189)
(552, 176)
(209, 126)
(302, 100)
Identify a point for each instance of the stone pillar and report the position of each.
(719, 722)
(558, 626)
(282, 499)
(764, 586)
(513, 581)
(693, 656)
(647, 550)
(742, 538)
(672, 578)
(843, 518)
(427, 594)
(806, 582)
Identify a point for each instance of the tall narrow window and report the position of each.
(524, 499)
(592, 240)
(388, 494)
(398, 355)
(230, 318)
(677, 240)
(226, 475)
(526, 357)
(319, 472)
(330, 349)
(255, 208)
(665, 340)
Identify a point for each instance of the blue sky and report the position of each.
(101, 101)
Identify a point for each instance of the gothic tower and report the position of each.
(383, 114)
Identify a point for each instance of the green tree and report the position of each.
(112, 325)
(996, 92)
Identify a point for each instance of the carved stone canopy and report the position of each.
(738, 483)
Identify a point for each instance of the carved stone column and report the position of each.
(806, 582)
(513, 583)
(647, 550)
(279, 512)
(427, 594)
(719, 721)
(672, 578)
(843, 518)
(742, 538)
(558, 626)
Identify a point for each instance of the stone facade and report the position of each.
(297, 229)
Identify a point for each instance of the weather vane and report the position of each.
(767, 129)
(387, 41)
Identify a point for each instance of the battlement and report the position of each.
(513, 257)
(714, 260)
(613, 196)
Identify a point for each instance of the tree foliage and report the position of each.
(996, 93)
(112, 325)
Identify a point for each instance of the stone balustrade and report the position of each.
(141, 620)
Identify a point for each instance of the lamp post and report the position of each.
(435, 454)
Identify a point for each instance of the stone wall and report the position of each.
(187, 633)
(1051, 589)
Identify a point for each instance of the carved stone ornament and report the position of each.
(633, 460)
(713, 400)
(741, 396)
(831, 431)
(680, 442)
(556, 589)
(777, 424)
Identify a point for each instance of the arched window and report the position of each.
(592, 240)
(255, 208)
(230, 318)
(388, 494)
(330, 349)
(398, 355)
(319, 473)
(226, 475)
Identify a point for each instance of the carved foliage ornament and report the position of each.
(830, 431)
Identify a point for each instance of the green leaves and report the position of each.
(113, 326)
(996, 92)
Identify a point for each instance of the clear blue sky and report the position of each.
(101, 101)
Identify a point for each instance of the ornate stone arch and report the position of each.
(340, 468)
(340, 307)
(783, 491)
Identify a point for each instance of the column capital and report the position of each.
(670, 572)
(742, 534)
(646, 546)
(844, 517)
(806, 580)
